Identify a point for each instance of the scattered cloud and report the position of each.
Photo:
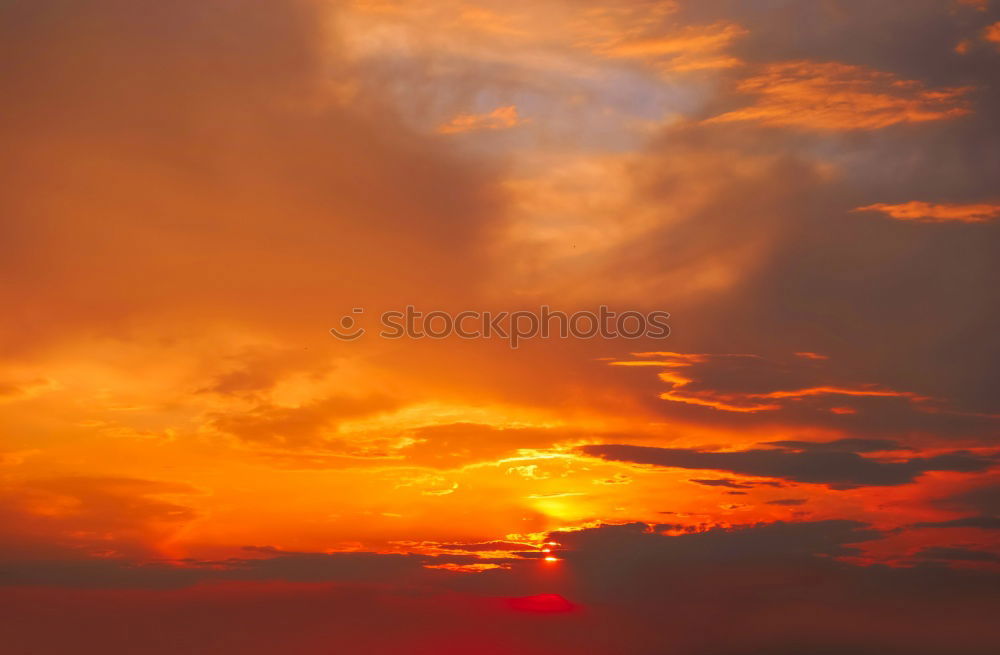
(788, 502)
(992, 34)
(729, 484)
(926, 212)
(834, 96)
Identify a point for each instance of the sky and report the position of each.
(197, 192)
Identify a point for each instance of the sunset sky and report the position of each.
(196, 191)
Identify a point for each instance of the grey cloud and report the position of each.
(957, 554)
(853, 445)
(982, 522)
(838, 470)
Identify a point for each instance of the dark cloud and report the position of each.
(776, 588)
(730, 484)
(851, 445)
(836, 469)
(812, 275)
(983, 499)
(981, 522)
(785, 390)
(957, 554)
(347, 567)
(487, 546)
(582, 548)
(758, 542)
(788, 502)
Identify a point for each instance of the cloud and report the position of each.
(458, 444)
(219, 128)
(581, 549)
(981, 5)
(684, 49)
(837, 96)
(836, 469)
(729, 484)
(12, 389)
(258, 369)
(779, 541)
(982, 498)
(239, 171)
(616, 479)
(957, 554)
(488, 546)
(992, 34)
(696, 379)
(311, 424)
(268, 564)
(501, 118)
(647, 589)
(744, 389)
(848, 444)
(788, 502)
(980, 522)
(936, 213)
(108, 516)
(759, 542)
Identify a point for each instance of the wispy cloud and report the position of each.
(927, 212)
(837, 96)
(501, 118)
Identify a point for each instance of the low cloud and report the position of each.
(835, 469)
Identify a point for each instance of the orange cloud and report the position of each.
(936, 213)
(836, 96)
(693, 47)
(992, 33)
(501, 118)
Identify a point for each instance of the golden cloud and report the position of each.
(836, 96)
